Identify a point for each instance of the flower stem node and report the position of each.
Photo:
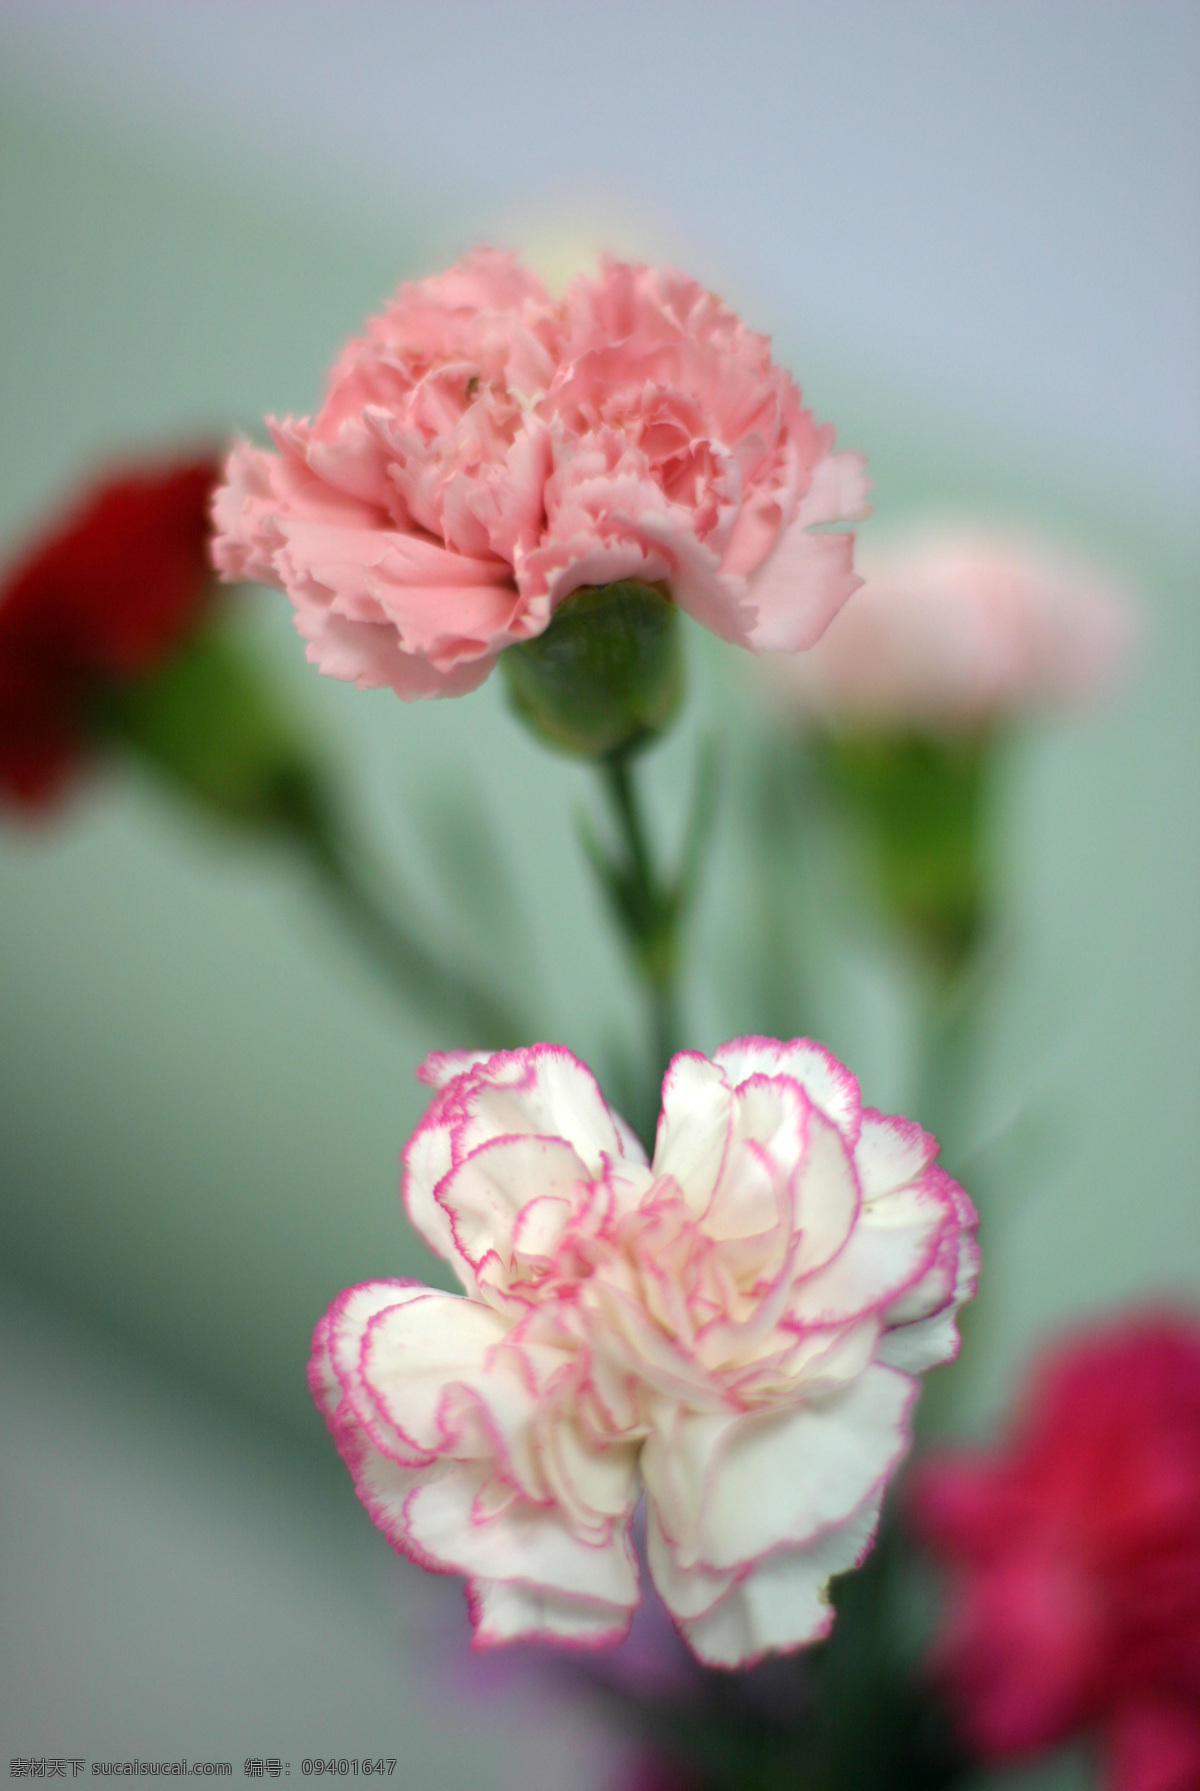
(607, 675)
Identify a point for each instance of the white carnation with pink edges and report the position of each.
(484, 450)
(734, 1331)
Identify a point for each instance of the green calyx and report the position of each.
(607, 675)
(922, 799)
(208, 724)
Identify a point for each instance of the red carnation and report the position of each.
(1076, 1555)
(99, 600)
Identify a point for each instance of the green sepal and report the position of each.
(606, 676)
(922, 799)
(208, 723)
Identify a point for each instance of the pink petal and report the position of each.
(890, 1153)
(369, 656)
(800, 589)
(840, 491)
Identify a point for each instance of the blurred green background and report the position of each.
(203, 1093)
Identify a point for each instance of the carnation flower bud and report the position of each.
(954, 632)
(951, 640)
(606, 676)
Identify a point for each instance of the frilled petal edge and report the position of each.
(783, 1602)
(729, 1490)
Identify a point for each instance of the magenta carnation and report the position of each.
(735, 1330)
(484, 450)
(1076, 1557)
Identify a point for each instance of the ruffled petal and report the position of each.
(890, 1153)
(925, 1343)
(828, 1084)
(494, 1187)
(505, 1611)
(543, 1090)
(895, 1242)
(693, 1126)
(840, 491)
(921, 1325)
(336, 1372)
(800, 589)
(428, 1157)
(415, 1357)
(783, 1602)
(526, 1544)
(687, 1592)
(730, 1489)
(768, 1136)
(952, 1275)
(369, 656)
(443, 1067)
(718, 602)
(384, 1486)
(826, 1193)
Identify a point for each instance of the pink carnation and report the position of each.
(483, 451)
(1076, 1552)
(953, 630)
(734, 1330)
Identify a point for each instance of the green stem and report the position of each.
(352, 889)
(649, 913)
(623, 793)
(208, 725)
(665, 1034)
(953, 1037)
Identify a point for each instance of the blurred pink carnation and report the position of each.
(1076, 1596)
(952, 630)
(484, 450)
(736, 1330)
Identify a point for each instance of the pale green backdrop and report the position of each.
(203, 1095)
